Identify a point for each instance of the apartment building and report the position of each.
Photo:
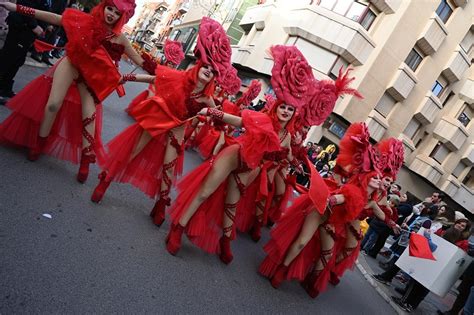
(413, 63)
(176, 13)
(227, 12)
(148, 24)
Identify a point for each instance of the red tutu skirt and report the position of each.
(205, 227)
(283, 236)
(145, 170)
(209, 142)
(139, 98)
(21, 127)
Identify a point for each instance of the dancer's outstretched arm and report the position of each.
(230, 119)
(145, 78)
(45, 16)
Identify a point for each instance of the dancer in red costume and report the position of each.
(149, 153)
(59, 113)
(173, 52)
(220, 135)
(206, 205)
(268, 195)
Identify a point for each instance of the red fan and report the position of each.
(419, 247)
(41, 46)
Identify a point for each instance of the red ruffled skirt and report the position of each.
(283, 236)
(205, 227)
(209, 142)
(22, 126)
(137, 100)
(145, 170)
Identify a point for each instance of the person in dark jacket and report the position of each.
(51, 32)
(22, 31)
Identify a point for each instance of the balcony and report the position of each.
(464, 197)
(331, 31)
(468, 157)
(457, 65)
(386, 6)
(184, 7)
(256, 15)
(427, 168)
(402, 83)
(460, 3)
(429, 108)
(451, 186)
(467, 92)
(451, 132)
(408, 146)
(377, 125)
(433, 35)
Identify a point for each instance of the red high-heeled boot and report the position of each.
(101, 188)
(256, 231)
(334, 279)
(35, 152)
(173, 240)
(158, 211)
(83, 173)
(308, 284)
(279, 276)
(225, 254)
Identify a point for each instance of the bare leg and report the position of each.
(88, 132)
(353, 239)
(225, 163)
(173, 149)
(312, 222)
(142, 142)
(219, 143)
(63, 76)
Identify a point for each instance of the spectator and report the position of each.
(51, 32)
(444, 220)
(22, 31)
(324, 172)
(436, 199)
(425, 219)
(325, 156)
(416, 292)
(405, 208)
(379, 231)
(395, 190)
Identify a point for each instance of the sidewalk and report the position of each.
(369, 266)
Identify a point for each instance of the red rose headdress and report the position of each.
(213, 46)
(391, 156)
(230, 82)
(356, 154)
(173, 52)
(250, 94)
(324, 96)
(292, 76)
(270, 101)
(126, 7)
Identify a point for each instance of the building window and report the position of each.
(465, 116)
(467, 178)
(444, 11)
(354, 10)
(385, 105)
(412, 128)
(459, 169)
(467, 42)
(334, 72)
(439, 153)
(367, 19)
(414, 59)
(437, 88)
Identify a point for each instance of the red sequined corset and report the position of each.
(115, 50)
(193, 107)
(276, 155)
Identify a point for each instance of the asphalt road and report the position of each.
(110, 258)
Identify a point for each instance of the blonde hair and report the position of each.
(330, 147)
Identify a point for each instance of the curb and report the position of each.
(380, 291)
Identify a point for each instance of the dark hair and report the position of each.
(452, 235)
(441, 195)
(426, 207)
(449, 214)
